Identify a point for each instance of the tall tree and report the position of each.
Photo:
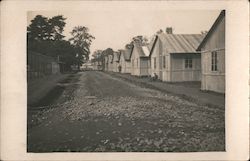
(81, 39)
(56, 24)
(44, 29)
(39, 28)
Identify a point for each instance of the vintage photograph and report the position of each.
(109, 80)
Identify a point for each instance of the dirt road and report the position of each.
(97, 112)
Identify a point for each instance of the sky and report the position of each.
(114, 27)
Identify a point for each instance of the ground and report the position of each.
(95, 112)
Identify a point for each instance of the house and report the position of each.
(89, 65)
(94, 64)
(125, 60)
(212, 50)
(140, 60)
(116, 61)
(108, 61)
(174, 57)
(97, 63)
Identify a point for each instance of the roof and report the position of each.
(143, 50)
(127, 53)
(116, 56)
(210, 32)
(180, 43)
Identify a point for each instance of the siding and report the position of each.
(139, 64)
(173, 49)
(214, 80)
(180, 73)
(126, 65)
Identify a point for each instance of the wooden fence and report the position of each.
(39, 65)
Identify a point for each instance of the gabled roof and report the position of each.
(126, 54)
(210, 32)
(180, 43)
(116, 56)
(143, 50)
(129, 52)
(152, 44)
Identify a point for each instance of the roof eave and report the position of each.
(217, 21)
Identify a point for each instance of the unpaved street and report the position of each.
(98, 112)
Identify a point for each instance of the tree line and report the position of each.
(45, 36)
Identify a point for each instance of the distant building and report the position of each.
(174, 57)
(108, 60)
(116, 61)
(89, 65)
(140, 60)
(212, 50)
(125, 60)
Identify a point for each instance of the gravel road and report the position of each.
(99, 113)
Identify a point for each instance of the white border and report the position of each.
(13, 79)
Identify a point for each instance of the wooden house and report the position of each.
(140, 60)
(212, 50)
(116, 61)
(125, 60)
(108, 62)
(174, 57)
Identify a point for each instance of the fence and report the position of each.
(39, 65)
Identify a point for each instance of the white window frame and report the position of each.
(214, 61)
(188, 63)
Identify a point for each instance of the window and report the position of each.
(188, 63)
(164, 61)
(214, 61)
(154, 63)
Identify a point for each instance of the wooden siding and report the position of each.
(139, 65)
(170, 66)
(110, 63)
(214, 80)
(144, 65)
(178, 71)
(155, 56)
(126, 65)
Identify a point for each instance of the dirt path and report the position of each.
(97, 112)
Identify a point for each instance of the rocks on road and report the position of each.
(97, 112)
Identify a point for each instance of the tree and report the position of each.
(97, 54)
(38, 29)
(129, 46)
(141, 40)
(56, 25)
(45, 29)
(81, 40)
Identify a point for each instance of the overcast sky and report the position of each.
(115, 27)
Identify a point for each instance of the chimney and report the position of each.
(169, 30)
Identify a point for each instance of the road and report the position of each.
(97, 112)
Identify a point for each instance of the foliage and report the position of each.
(81, 39)
(43, 28)
(97, 54)
(141, 40)
(44, 35)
